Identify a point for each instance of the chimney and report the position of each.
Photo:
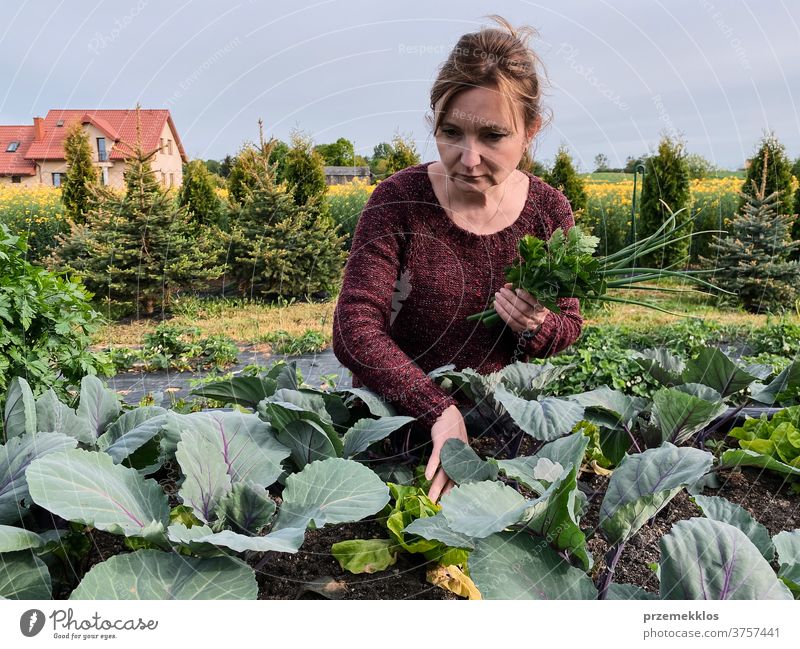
(38, 128)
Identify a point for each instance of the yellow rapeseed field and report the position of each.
(35, 205)
(348, 188)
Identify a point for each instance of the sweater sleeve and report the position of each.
(362, 316)
(558, 331)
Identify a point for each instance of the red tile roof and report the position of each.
(15, 163)
(118, 125)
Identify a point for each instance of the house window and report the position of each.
(60, 122)
(102, 156)
(163, 148)
(171, 180)
(12, 146)
(163, 178)
(169, 146)
(104, 176)
(58, 178)
(16, 180)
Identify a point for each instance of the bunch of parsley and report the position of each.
(565, 266)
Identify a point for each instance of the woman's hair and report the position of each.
(494, 58)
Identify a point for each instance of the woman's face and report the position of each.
(475, 140)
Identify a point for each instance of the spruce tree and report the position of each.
(778, 173)
(81, 173)
(198, 195)
(665, 189)
(139, 249)
(278, 247)
(565, 179)
(753, 259)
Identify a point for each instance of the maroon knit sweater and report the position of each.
(412, 278)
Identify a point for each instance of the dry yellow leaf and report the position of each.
(594, 467)
(453, 579)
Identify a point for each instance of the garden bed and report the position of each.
(313, 573)
(280, 492)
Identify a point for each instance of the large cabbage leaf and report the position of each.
(707, 559)
(87, 487)
(151, 574)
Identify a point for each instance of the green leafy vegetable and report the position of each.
(778, 438)
(565, 266)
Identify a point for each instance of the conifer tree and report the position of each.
(778, 173)
(198, 195)
(753, 259)
(565, 179)
(304, 170)
(402, 154)
(665, 189)
(81, 173)
(278, 247)
(139, 249)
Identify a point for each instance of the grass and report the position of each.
(689, 304)
(284, 326)
(243, 321)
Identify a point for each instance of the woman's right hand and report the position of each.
(449, 425)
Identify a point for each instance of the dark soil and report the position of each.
(102, 546)
(313, 573)
(766, 496)
(293, 576)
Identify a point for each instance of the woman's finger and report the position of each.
(450, 484)
(433, 462)
(528, 300)
(511, 315)
(439, 482)
(522, 301)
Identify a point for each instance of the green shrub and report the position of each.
(46, 323)
(304, 170)
(666, 179)
(285, 343)
(402, 154)
(608, 218)
(198, 195)
(564, 178)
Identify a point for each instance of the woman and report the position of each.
(433, 240)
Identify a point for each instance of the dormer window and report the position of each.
(102, 155)
(12, 146)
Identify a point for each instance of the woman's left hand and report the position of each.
(519, 309)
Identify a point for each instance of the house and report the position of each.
(342, 175)
(34, 155)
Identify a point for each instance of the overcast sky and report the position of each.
(620, 72)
